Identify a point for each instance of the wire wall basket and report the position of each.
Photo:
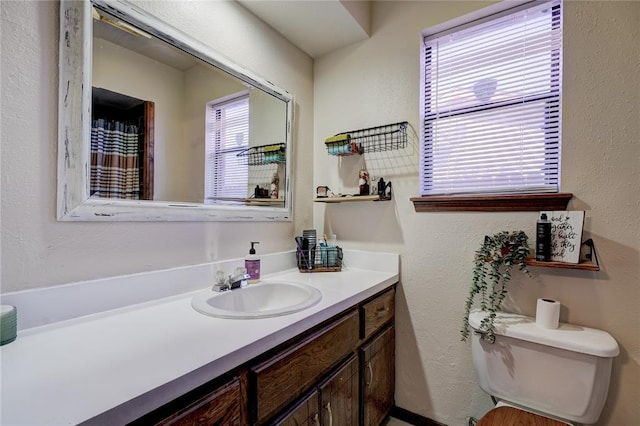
(320, 259)
(263, 154)
(373, 139)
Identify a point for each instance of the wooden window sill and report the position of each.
(493, 203)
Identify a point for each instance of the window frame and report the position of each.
(211, 157)
(508, 201)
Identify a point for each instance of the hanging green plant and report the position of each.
(493, 262)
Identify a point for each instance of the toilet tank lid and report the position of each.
(569, 337)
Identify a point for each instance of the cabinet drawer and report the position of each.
(377, 312)
(220, 407)
(284, 378)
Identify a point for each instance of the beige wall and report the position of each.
(201, 86)
(38, 251)
(149, 80)
(376, 82)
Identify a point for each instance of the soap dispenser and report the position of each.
(252, 264)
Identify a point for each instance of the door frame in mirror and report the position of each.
(74, 121)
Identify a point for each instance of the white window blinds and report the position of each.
(491, 105)
(227, 134)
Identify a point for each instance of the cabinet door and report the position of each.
(220, 407)
(378, 377)
(339, 396)
(304, 414)
(287, 376)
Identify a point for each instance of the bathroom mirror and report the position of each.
(156, 126)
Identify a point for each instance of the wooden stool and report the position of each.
(509, 416)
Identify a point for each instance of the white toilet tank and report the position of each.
(562, 372)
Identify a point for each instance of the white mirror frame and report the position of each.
(74, 121)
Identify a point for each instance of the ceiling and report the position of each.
(108, 27)
(315, 26)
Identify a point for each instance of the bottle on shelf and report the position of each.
(363, 181)
(274, 192)
(543, 239)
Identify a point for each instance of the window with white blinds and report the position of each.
(491, 104)
(227, 134)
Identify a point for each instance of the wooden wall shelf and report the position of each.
(351, 199)
(584, 264)
(264, 201)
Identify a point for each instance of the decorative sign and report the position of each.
(566, 235)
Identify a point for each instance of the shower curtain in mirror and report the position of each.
(114, 160)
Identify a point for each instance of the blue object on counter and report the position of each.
(8, 324)
(323, 254)
(330, 256)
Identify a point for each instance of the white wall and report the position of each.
(376, 82)
(38, 251)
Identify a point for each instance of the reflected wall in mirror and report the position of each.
(156, 126)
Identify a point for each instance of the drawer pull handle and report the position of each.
(370, 374)
(316, 420)
(382, 312)
(328, 407)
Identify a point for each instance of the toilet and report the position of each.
(542, 376)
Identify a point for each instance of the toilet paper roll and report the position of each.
(8, 324)
(548, 313)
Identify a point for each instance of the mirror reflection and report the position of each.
(168, 126)
(154, 125)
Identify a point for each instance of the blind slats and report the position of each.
(227, 134)
(492, 105)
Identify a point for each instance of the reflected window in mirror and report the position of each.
(227, 135)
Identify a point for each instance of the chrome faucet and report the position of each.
(232, 282)
(239, 280)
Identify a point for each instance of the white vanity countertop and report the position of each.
(111, 367)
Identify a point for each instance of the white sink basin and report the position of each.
(261, 300)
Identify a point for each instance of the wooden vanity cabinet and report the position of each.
(221, 407)
(359, 391)
(341, 372)
(377, 364)
(340, 395)
(304, 413)
(282, 379)
(377, 358)
(215, 403)
(335, 401)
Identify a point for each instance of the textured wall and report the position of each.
(376, 82)
(37, 251)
